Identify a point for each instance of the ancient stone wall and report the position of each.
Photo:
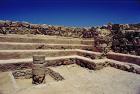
(9, 27)
(125, 38)
(126, 41)
(27, 74)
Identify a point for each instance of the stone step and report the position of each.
(124, 57)
(31, 46)
(26, 63)
(37, 36)
(94, 64)
(11, 64)
(89, 54)
(49, 40)
(125, 66)
(29, 60)
(20, 54)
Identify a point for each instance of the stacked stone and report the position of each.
(125, 66)
(56, 76)
(103, 42)
(22, 74)
(126, 41)
(9, 27)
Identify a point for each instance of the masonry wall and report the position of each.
(124, 39)
(9, 27)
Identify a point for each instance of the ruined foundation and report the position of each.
(74, 63)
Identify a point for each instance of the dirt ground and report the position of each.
(7, 83)
(80, 80)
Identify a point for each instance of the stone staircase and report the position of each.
(16, 47)
(16, 53)
(44, 39)
(25, 46)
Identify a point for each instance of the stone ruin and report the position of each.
(125, 37)
(40, 59)
(38, 70)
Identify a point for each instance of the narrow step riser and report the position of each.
(28, 54)
(124, 58)
(49, 41)
(89, 55)
(19, 54)
(41, 46)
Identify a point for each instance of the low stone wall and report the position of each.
(22, 74)
(15, 66)
(96, 64)
(55, 75)
(124, 57)
(28, 65)
(27, 74)
(124, 66)
(93, 65)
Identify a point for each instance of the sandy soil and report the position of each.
(79, 80)
(7, 83)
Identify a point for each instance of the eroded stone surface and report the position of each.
(38, 69)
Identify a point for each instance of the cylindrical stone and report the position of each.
(38, 69)
(38, 59)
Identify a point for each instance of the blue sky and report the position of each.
(71, 12)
